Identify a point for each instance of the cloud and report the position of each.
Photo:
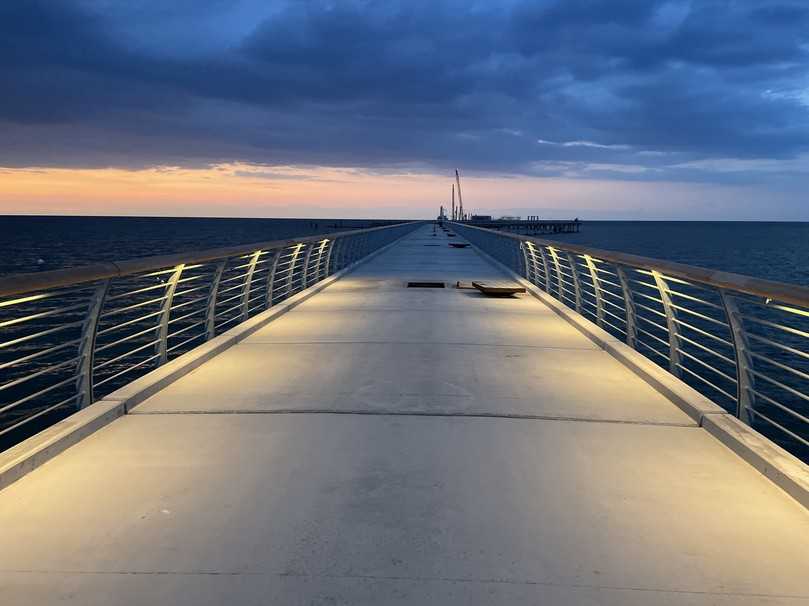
(586, 144)
(497, 87)
(798, 165)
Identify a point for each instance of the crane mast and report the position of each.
(460, 198)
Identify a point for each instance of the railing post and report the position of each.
(515, 251)
(306, 258)
(529, 267)
(629, 308)
(318, 262)
(560, 285)
(210, 307)
(576, 280)
(163, 325)
(87, 346)
(597, 288)
(248, 282)
(321, 260)
(338, 256)
(292, 263)
(544, 259)
(271, 275)
(745, 379)
(329, 255)
(671, 324)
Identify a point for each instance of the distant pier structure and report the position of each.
(528, 226)
(531, 226)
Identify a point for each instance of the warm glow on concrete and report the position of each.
(383, 444)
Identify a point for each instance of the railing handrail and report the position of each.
(71, 336)
(23, 283)
(739, 341)
(793, 294)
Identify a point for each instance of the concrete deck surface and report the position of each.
(384, 445)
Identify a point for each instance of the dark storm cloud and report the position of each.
(490, 86)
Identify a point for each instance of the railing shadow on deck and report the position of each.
(743, 342)
(69, 337)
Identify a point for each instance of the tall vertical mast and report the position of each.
(460, 198)
(453, 202)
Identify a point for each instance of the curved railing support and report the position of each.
(527, 264)
(165, 313)
(248, 282)
(561, 290)
(671, 324)
(292, 267)
(748, 352)
(544, 259)
(271, 277)
(329, 253)
(118, 320)
(210, 307)
(87, 344)
(745, 379)
(574, 272)
(305, 268)
(629, 308)
(335, 255)
(591, 267)
(319, 263)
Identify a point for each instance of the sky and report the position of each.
(600, 109)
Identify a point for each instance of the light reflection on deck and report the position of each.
(385, 445)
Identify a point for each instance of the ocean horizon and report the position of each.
(773, 250)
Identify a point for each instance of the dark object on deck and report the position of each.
(425, 285)
(458, 244)
(450, 235)
(497, 288)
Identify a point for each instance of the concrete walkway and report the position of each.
(385, 445)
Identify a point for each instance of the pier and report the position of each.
(365, 432)
(533, 227)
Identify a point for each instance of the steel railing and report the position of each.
(741, 341)
(68, 337)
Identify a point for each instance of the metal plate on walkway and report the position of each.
(499, 288)
(424, 284)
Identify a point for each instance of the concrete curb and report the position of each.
(29, 454)
(786, 471)
(686, 398)
(783, 469)
(40, 448)
(149, 384)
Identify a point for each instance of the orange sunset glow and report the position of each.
(365, 109)
(235, 189)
